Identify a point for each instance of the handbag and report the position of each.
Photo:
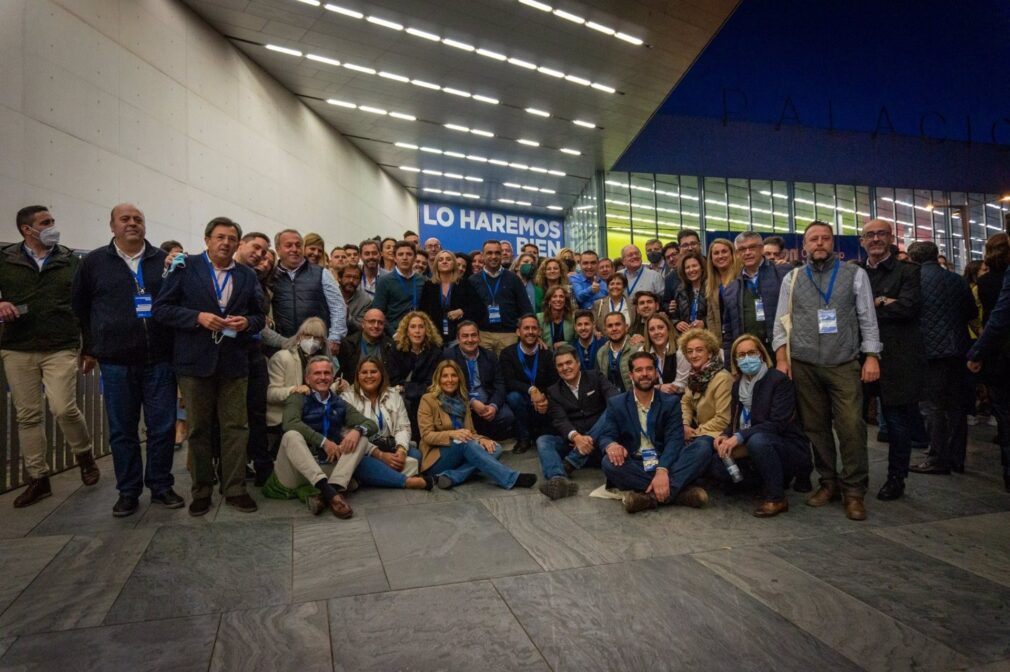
(386, 444)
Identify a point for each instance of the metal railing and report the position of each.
(90, 400)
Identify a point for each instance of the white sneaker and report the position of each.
(972, 420)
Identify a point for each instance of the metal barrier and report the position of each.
(90, 400)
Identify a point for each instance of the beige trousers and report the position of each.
(27, 373)
(497, 341)
(296, 464)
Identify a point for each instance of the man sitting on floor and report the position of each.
(338, 436)
(643, 437)
(575, 407)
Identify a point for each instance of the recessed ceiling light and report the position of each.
(526, 203)
(323, 59)
(568, 16)
(492, 54)
(393, 76)
(603, 87)
(629, 38)
(410, 169)
(543, 7)
(432, 190)
(558, 173)
(457, 127)
(520, 166)
(547, 191)
(455, 155)
(385, 23)
(539, 113)
(485, 134)
(345, 11)
(470, 196)
(360, 68)
(405, 145)
(426, 35)
(471, 178)
(498, 162)
(528, 187)
(452, 193)
(574, 152)
(513, 185)
(530, 143)
(551, 71)
(486, 99)
(523, 64)
(506, 200)
(426, 85)
(578, 80)
(453, 176)
(606, 30)
(456, 92)
(538, 169)
(341, 103)
(284, 50)
(431, 150)
(585, 124)
(314, 3)
(401, 115)
(373, 110)
(554, 207)
(477, 157)
(456, 43)
(428, 171)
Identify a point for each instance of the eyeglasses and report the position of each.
(871, 235)
(745, 248)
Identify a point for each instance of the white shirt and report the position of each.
(39, 261)
(222, 274)
(133, 261)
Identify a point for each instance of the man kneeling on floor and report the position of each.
(575, 408)
(321, 434)
(643, 440)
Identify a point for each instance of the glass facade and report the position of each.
(639, 206)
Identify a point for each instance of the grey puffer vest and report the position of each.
(808, 344)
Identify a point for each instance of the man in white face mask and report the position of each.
(41, 346)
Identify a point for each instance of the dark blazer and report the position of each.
(769, 282)
(189, 291)
(903, 359)
(488, 370)
(773, 409)
(510, 297)
(671, 285)
(684, 297)
(664, 424)
(103, 300)
(515, 377)
(568, 414)
(420, 368)
(462, 298)
(350, 353)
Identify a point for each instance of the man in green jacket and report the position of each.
(40, 346)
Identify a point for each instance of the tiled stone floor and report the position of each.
(479, 578)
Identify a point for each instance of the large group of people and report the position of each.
(392, 364)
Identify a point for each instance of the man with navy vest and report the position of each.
(528, 369)
(302, 290)
(828, 307)
(484, 383)
(399, 292)
(503, 298)
(640, 277)
(757, 294)
(215, 307)
(643, 445)
(113, 296)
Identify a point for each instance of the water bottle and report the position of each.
(734, 471)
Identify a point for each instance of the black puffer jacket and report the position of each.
(947, 307)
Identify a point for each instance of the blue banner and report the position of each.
(463, 229)
(847, 247)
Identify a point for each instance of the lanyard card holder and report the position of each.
(494, 314)
(142, 304)
(650, 460)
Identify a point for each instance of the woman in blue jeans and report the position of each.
(390, 462)
(451, 451)
(763, 419)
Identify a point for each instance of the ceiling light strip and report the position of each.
(481, 159)
(487, 53)
(576, 19)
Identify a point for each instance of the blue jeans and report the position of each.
(529, 424)
(692, 462)
(498, 429)
(551, 449)
(127, 390)
(459, 461)
(374, 472)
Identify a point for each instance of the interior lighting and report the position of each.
(631, 39)
(485, 134)
(455, 155)
(476, 157)
(537, 112)
(341, 103)
(480, 159)
(486, 99)
(498, 162)
(345, 11)
(471, 178)
(542, 6)
(457, 44)
(406, 145)
(513, 185)
(323, 59)
(573, 152)
(578, 80)
(452, 193)
(456, 92)
(526, 203)
(385, 23)
(603, 87)
(492, 54)
(403, 116)
(551, 71)
(471, 196)
(453, 176)
(457, 127)
(373, 110)
(428, 171)
(360, 68)
(568, 16)
(410, 169)
(606, 30)
(284, 50)
(425, 85)
(554, 207)
(431, 150)
(584, 124)
(314, 3)
(432, 190)
(424, 34)
(530, 143)
(523, 64)
(394, 76)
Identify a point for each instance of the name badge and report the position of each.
(827, 321)
(494, 314)
(229, 333)
(759, 309)
(649, 459)
(142, 305)
(445, 326)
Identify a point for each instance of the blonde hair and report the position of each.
(705, 336)
(715, 277)
(540, 279)
(312, 326)
(431, 337)
(436, 389)
(435, 277)
(760, 346)
(648, 347)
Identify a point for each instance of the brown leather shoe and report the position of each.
(38, 488)
(639, 501)
(340, 508)
(692, 496)
(769, 508)
(854, 508)
(828, 492)
(89, 470)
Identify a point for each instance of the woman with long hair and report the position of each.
(692, 306)
(566, 256)
(451, 451)
(722, 269)
(412, 362)
(390, 461)
(671, 364)
(556, 319)
(525, 268)
(387, 260)
(444, 298)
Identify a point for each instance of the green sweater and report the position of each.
(50, 323)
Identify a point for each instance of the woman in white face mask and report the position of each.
(286, 368)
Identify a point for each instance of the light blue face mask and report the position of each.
(749, 364)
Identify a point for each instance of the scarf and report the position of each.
(697, 381)
(454, 407)
(747, 386)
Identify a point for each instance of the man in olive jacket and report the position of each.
(40, 346)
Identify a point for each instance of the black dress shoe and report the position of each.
(169, 499)
(892, 489)
(802, 483)
(125, 506)
(38, 488)
(199, 506)
(521, 447)
(243, 503)
(929, 467)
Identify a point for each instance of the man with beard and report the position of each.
(357, 301)
(371, 266)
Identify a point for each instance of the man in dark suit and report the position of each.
(643, 441)
(528, 369)
(575, 407)
(484, 383)
(215, 306)
(371, 340)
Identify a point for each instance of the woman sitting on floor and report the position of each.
(706, 401)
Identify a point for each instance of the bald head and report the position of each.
(631, 256)
(128, 226)
(373, 322)
(877, 239)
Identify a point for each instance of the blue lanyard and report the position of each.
(631, 287)
(531, 373)
(326, 416)
(752, 284)
(831, 283)
(620, 306)
(471, 370)
(584, 353)
(379, 419)
(557, 332)
(444, 299)
(497, 284)
(660, 361)
(413, 288)
(695, 297)
(219, 288)
(139, 276)
(745, 415)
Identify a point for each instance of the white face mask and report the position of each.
(49, 236)
(309, 346)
